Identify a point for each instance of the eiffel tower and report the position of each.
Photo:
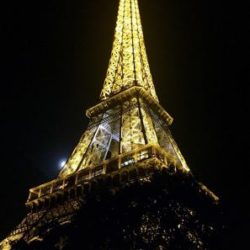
(128, 136)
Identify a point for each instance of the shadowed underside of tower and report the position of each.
(127, 138)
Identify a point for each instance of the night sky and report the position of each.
(55, 59)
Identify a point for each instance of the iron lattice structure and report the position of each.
(128, 132)
(128, 64)
(129, 115)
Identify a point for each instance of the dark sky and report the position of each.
(56, 56)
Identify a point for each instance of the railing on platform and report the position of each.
(107, 167)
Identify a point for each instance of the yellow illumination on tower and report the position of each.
(126, 118)
(128, 64)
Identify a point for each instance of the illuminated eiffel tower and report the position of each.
(129, 117)
(127, 137)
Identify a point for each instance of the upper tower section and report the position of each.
(128, 64)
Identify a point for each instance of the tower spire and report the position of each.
(128, 64)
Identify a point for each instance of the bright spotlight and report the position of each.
(62, 163)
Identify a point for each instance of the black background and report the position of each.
(55, 59)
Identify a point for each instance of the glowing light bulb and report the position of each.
(62, 163)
